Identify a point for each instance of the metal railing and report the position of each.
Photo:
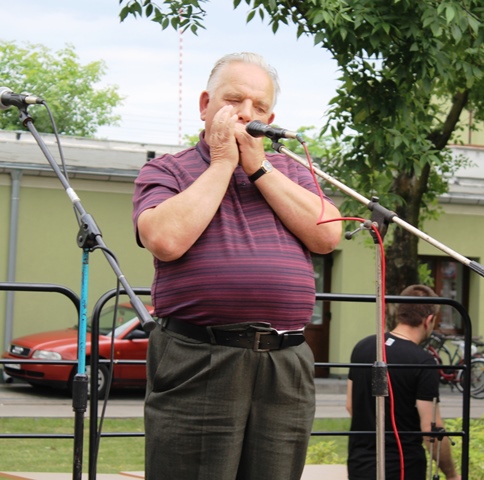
(40, 287)
(93, 402)
(465, 367)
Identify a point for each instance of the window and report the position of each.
(451, 280)
(322, 277)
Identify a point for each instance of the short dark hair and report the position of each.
(413, 314)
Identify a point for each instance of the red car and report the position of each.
(130, 343)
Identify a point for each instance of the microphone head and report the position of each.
(2, 91)
(256, 128)
(9, 99)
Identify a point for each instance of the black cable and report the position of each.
(110, 376)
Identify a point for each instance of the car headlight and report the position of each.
(46, 355)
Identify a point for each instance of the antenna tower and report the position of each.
(180, 87)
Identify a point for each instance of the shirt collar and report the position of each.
(203, 147)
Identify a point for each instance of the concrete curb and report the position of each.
(311, 472)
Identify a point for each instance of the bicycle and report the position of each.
(436, 346)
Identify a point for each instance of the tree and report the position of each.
(408, 69)
(66, 86)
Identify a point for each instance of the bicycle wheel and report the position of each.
(477, 378)
(459, 379)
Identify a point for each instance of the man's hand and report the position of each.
(223, 146)
(251, 150)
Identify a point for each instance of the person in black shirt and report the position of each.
(414, 390)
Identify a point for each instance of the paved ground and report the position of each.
(311, 472)
(17, 400)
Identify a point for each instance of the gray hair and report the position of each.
(244, 57)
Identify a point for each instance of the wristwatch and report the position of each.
(265, 167)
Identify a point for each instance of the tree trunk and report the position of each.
(402, 255)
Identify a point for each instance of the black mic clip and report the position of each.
(366, 225)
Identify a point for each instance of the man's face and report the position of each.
(247, 88)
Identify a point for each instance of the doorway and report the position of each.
(317, 332)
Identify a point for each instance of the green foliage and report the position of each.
(178, 14)
(401, 62)
(408, 68)
(476, 450)
(320, 147)
(55, 455)
(334, 448)
(191, 140)
(67, 87)
(323, 453)
(425, 275)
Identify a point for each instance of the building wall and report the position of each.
(460, 228)
(48, 253)
(472, 132)
(48, 250)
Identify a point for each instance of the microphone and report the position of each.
(9, 99)
(258, 129)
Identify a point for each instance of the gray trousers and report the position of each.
(225, 413)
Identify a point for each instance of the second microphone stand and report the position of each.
(383, 217)
(88, 238)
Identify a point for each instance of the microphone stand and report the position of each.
(88, 237)
(379, 370)
(379, 373)
(387, 215)
(382, 218)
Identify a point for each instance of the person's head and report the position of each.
(418, 314)
(247, 58)
(245, 81)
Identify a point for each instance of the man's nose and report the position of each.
(246, 111)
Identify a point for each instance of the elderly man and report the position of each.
(230, 392)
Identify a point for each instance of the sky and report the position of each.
(161, 74)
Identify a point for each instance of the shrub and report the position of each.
(476, 445)
(323, 453)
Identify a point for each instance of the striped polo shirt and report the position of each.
(246, 266)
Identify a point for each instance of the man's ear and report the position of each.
(203, 104)
(429, 322)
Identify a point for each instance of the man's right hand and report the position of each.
(223, 146)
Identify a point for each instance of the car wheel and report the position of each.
(6, 377)
(102, 380)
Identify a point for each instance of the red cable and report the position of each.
(390, 389)
(320, 192)
(383, 270)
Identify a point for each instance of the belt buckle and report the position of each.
(257, 335)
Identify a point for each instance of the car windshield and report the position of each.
(120, 329)
(125, 317)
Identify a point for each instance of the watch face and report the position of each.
(267, 166)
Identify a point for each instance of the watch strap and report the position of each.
(257, 174)
(265, 167)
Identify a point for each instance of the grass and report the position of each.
(57, 455)
(332, 425)
(115, 454)
(126, 453)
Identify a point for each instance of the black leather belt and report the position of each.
(259, 337)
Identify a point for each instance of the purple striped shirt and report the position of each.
(246, 266)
